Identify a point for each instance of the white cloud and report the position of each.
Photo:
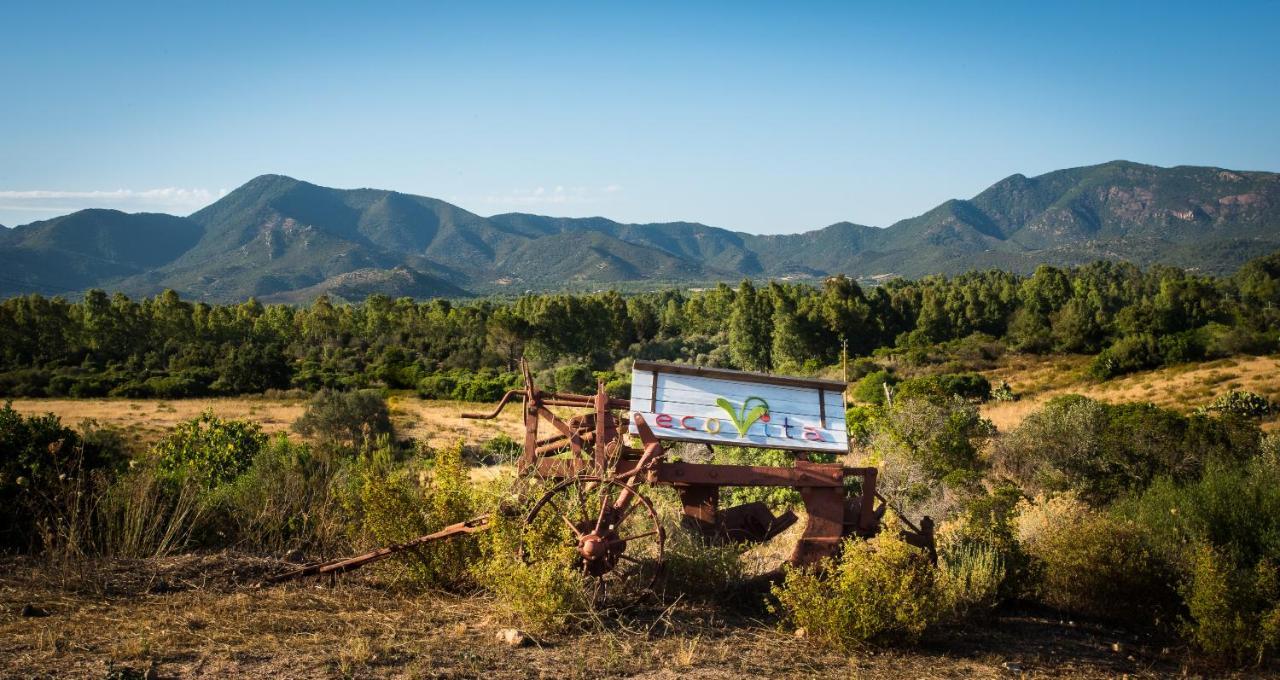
(168, 199)
(556, 195)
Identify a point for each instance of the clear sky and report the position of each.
(758, 117)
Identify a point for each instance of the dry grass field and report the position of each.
(437, 423)
(1181, 388)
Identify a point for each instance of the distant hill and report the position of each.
(279, 238)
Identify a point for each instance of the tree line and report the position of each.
(165, 346)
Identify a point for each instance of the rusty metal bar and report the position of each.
(498, 409)
(338, 566)
(811, 475)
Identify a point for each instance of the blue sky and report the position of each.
(753, 116)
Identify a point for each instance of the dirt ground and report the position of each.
(206, 616)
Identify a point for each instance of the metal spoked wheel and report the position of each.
(615, 533)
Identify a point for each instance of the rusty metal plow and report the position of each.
(596, 504)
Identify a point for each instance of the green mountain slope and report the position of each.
(89, 247)
(281, 238)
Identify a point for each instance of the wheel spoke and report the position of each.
(626, 513)
(564, 517)
(652, 532)
(604, 504)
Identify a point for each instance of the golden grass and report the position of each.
(1181, 388)
(436, 423)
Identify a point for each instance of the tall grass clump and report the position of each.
(289, 498)
(145, 513)
(969, 580)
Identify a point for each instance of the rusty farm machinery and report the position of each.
(594, 454)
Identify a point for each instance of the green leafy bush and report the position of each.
(1222, 532)
(45, 472)
(467, 385)
(1232, 612)
(575, 378)
(289, 498)
(870, 389)
(880, 588)
(1128, 354)
(963, 385)
(209, 449)
(1241, 403)
(777, 497)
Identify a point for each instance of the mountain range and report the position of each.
(283, 239)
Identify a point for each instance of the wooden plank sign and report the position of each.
(739, 408)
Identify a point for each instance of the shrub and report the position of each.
(861, 367)
(870, 389)
(575, 378)
(963, 385)
(467, 386)
(209, 449)
(531, 571)
(987, 522)
(777, 497)
(878, 589)
(1232, 612)
(345, 419)
(928, 449)
(1241, 403)
(1181, 348)
(45, 470)
(398, 506)
(1222, 532)
(1096, 565)
(437, 387)
(698, 569)
(861, 423)
(287, 499)
(1102, 451)
(1128, 354)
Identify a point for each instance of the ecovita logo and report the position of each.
(747, 416)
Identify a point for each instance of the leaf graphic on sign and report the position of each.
(744, 419)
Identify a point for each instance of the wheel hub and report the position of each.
(600, 552)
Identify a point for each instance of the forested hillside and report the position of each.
(170, 347)
(282, 239)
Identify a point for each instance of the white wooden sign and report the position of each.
(737, 408)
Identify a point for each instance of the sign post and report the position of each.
(739, 408)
